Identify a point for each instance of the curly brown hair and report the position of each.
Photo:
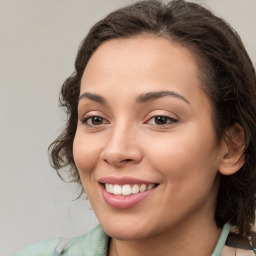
(229, 81)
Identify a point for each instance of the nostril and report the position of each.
(120, 157)
(126, 160)
(122, 161)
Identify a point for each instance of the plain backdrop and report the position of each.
(38, 44)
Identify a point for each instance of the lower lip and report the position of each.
(124, 202)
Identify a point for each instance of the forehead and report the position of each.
(139, 64)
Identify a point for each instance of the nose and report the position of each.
(122, 148)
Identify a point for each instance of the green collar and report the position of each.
(222, 240)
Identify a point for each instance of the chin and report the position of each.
(125, 232)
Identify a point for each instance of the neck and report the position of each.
(187, 239)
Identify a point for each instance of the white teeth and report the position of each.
(143, 188)
(135, 189)
(127, 189)
(117, 189)
(110, 188)
(150, 186)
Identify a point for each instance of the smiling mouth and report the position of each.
(128, 189)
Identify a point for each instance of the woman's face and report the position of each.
(145, 122)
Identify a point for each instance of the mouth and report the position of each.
(126, 192)
(127, 189)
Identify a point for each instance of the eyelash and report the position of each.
(167, 119)
(90, 119)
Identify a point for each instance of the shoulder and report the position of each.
(232, 251)
(42, 248)
(235, 246)
(93, 243)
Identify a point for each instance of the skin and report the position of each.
(182, 156)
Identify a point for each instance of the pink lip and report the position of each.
(123, 180)
(124, 202)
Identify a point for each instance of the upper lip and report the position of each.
(123, 180)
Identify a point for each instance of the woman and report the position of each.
(161, 135)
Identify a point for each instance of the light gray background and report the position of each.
(38, 45)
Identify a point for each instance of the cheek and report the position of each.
(86, 154)
(188, 166)
(185, 153)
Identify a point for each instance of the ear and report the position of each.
(233, 158)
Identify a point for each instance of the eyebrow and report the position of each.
(150, 96)
(145, 97)
(93, 97)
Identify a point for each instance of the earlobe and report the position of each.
(233, 158)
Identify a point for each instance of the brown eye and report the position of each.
(162, 120)
(94, 121)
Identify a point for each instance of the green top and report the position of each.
(95, 243)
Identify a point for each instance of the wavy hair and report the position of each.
(228, 79)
